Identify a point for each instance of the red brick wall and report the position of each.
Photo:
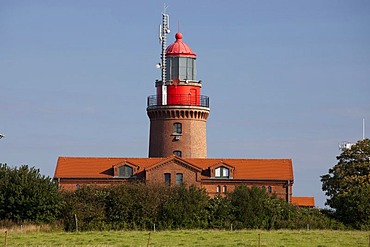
(276, 188)
(156, 175)
(192, 143)
(71, 184)
(189, 177)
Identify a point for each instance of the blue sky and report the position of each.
(286, 79)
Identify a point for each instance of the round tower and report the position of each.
(178, 112)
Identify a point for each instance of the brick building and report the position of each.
(215, 175)
(177, 142)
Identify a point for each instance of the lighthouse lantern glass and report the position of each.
(182, 68)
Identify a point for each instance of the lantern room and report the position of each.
(181, 85)
(180, 61)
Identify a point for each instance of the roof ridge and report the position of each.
(241, 158)
(101, 157)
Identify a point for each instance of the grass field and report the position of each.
(190, 238)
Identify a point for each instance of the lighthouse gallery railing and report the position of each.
(179, 99)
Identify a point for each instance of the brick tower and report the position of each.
(178, 112)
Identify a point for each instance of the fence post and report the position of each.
(6, 235)
(154, 228)
(148, 240)
(231, 227)
(259, 239)
(76, 221)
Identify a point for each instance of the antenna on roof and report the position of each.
(163, 31)
(348, 145)
(363, 129)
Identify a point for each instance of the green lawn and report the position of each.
(192, 238)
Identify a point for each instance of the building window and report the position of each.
(78, 186)
(177, 153)
(177, 128)
(222, 172)
(269, 189)
(125, 171)
(218, 189)
(179, 178)
(224, 189)
(167, 178)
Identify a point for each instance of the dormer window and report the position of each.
(125, 171)
(222, 172)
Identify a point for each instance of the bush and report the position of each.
(26, 195)
(132, 206)
(220, 213)
(136, 206)
(185, 207)
(86, 206)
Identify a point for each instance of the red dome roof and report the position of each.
(179, 48)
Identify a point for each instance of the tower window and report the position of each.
(177, 153)
(179, 178)
(218, 189)
(222, 172)
(125, 171)
(167, 178)
(224, 189)
(177, 128)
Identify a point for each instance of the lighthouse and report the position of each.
(178, 112)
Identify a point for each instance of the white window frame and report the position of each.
(222, 172)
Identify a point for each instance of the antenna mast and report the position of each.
(163, 31)
(363, 129)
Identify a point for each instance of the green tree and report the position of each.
(184, 207)
(219, 212)
(133, 205)
(26, 195)
(249, 206)
(348, 185)
(85, 204)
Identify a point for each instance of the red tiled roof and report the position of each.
(255, 169)
(95, 167)
(276, 169)
(303, 201)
